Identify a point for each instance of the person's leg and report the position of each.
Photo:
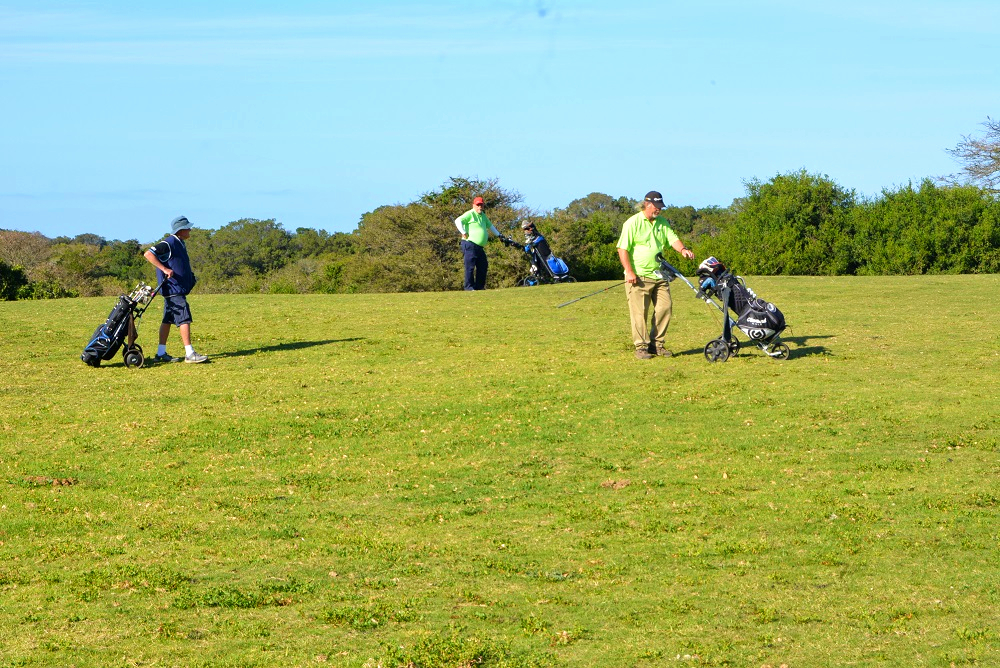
(181, 315)
(469, 259)
(190, 355)
(662, 310)
(638, 305)
(168, 321)
(482, 264)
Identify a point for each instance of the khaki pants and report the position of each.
(648, 291)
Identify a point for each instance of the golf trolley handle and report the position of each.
(672, 271)
(139, 312)
(157, 289)
(669, 268)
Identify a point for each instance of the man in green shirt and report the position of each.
(475, 228)
(643, 236)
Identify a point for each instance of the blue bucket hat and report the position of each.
(178, 224)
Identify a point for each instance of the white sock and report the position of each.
(189, 350)
(162, 350)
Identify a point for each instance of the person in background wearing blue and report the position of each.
(173, 271)
(532, 237)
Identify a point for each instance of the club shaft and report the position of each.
(573, 301)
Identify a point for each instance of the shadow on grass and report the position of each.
(797, 350)
(284, 347)
(281, 347)
(809, 350)
(801, 350)
(799, 340)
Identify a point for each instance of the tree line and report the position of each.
(796, 223)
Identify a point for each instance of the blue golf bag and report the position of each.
(545, 267)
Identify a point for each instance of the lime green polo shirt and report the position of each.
(477, 226)
(643, 239)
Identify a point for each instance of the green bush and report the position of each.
(45, 290)
(12, 279)
(791, 225)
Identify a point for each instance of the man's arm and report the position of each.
(153, 260)
(679, 246)
(626, 260)
(462, 225)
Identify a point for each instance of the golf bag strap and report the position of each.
(727, 328)
(132, 334)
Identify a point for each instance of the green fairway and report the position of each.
(482, 479)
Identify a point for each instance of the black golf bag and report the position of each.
(119, 329)
(760, 320)
(545, 267)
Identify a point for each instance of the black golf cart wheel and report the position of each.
(716, 350)
(781, 352)
(569, 279)
(734, 347)
(134, 358)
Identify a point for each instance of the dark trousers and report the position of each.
(475, 265)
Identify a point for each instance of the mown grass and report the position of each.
(483, 479)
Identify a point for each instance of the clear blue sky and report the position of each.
(115, 117)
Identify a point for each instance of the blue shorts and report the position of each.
(176, 310)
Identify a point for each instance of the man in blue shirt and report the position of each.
(173, 271)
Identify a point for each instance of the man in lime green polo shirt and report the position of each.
(475, 228)
(643, 236)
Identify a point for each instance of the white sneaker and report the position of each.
(195, 358)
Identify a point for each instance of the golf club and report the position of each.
(573, 301)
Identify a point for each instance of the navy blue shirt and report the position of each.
(173, 253)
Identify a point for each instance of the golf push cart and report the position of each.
(545, 267)
(119, 330)
(760, 320)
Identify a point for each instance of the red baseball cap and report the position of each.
(478, 200)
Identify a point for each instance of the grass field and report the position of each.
(481, 479)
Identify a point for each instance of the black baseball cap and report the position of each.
(655, 198)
